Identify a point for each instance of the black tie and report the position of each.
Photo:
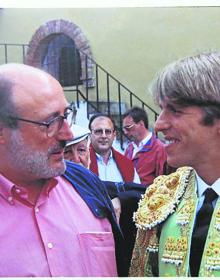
(200, 231)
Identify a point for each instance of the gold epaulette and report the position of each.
(161, 198)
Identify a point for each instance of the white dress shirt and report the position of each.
(202, 186)
(141, 144)
(110, 171)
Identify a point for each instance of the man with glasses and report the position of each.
(112, 166)
(145, 150)
(52, 223)
(106, 162)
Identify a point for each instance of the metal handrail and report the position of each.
(96, 105)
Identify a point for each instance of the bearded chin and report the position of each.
(35, 163)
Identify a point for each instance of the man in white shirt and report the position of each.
(110, 165)
(106, 162)
(179, 216)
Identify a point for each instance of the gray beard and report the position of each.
(35, 163)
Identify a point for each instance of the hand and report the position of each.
(117, 207)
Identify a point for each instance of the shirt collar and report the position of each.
(144, 141)
(202, 186)
(8, 189)
(99, 157)
(5, 187)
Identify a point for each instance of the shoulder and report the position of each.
(77, 172)
(83, 179)
(156, 141)
(158, 146)
(74, 167)
(117, 154)
(161, 198)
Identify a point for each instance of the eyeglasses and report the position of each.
(128, 127)
(53, 126)
(99, 132)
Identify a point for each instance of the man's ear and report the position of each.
(141, 122)
(115, 133)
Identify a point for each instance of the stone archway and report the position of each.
(33, 56)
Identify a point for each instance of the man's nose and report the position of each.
(65, 132)
(161, 123)
(76, 158)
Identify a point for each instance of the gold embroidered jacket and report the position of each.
(165, 220)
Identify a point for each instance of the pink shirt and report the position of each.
(59, 236)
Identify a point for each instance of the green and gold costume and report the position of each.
(165, 219)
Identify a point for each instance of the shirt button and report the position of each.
(17, 190)
(50, 245)
(37, 210)
(10, 200)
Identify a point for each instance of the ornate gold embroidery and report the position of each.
(212, 255)
(212, 249)
(175, 250)
(153, 245)
(217, 220)
(161, 198)
(141, 254)
(185, 213)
